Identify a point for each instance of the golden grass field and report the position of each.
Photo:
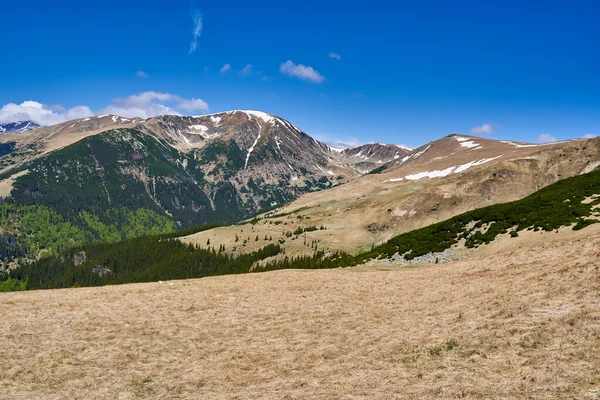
(520, 319)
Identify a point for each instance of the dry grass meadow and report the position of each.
(517, 321)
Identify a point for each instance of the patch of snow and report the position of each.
(461, 139)
(251, 149)
(529, 145)
(444, 172)
(469, 144)
(259, 114)
(403, 147)
(114, 118)
(416, 155)
(430, 174)
(290, 126)
(102, 116)
(201, 128)
(468, 165)
(86, 119)
(336, 149)
(184, 138)
(215, 120)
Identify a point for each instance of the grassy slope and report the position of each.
(519, 324)
(561, 204)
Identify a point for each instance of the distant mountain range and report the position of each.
(19, 126)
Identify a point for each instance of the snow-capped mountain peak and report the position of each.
(17, 127)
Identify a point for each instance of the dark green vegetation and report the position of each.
(8, 284)
(548, 209)
(137, 260)
(125, 183)
(33, 231)
(6, 148)
(159, 257)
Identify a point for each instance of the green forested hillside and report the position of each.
(126, 183)
(573, 201)
(35, 230)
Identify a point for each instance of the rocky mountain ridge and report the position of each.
(18, 126)
(109, 178)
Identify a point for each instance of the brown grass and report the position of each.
(519, 323)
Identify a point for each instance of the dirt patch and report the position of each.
(6, 185)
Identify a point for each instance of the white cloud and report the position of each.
(142, 74)
(150, 104)
(301, 72)
(546, 138)
(41, 113)
(335, 56)
(193, 105)
(246, 71)
(589, 136)
(484, 129)
(145, 105)
(225, 68)
(197, 18)
(78, 112)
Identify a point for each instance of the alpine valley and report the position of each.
(107, 178)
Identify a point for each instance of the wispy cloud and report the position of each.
(246, 71)
(197, 18)
(42, 114)
(335, 56)
(142, 74)
(484, 129)
(589, 136)
(546, 138)
(302, 72)
(225, 68)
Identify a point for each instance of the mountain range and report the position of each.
(115, 177)
(19, 126)
(109, 178)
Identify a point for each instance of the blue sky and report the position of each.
(359, 71)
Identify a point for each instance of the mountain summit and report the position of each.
(19, 126)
